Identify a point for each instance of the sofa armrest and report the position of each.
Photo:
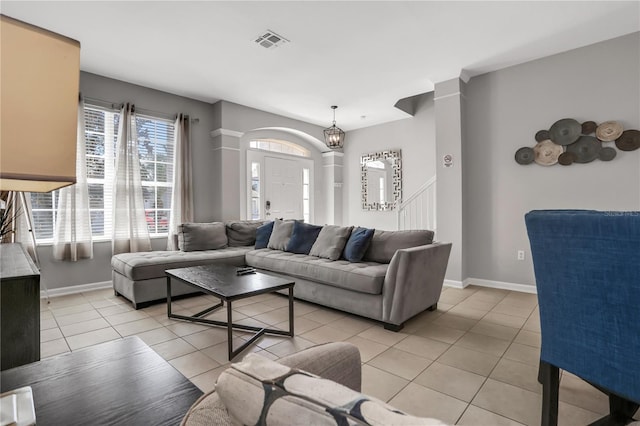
(414, 281)
(339, 362)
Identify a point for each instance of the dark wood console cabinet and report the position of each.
(19, 307)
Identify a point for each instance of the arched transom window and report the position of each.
(281, 146)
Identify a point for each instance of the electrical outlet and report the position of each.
(520, 254)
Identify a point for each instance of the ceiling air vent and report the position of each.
(269, 40)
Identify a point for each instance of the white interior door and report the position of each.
(283, 188)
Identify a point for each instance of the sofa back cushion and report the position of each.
(242, 232)
(263, 233)
(384, 244)
(260, 391)
(202, 236)
(282, 230)
(303, 237)
(331, 241)
(357, 244)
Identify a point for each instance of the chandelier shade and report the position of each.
(334, 135)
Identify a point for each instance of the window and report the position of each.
(155, 147)
(255, 190)
(305, 195)
(276, 145)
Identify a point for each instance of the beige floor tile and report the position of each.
(104, 303)
(490, 294)
(50, 334)
(277, 302)
(221, 315)
(451, 381)
(400, 363)
(521, 298)
(53, 347)
(569, 415)
(251, 322)
(220, 352)
(469, 360)
(380, 384)
(116, 309)
(288, 347)
(516, 311)
(324, 316)
(164, 320)
(77, 317)
(182, 328)
(84, 327)
(64, 301)
(199, 300)
(476, 416)
(153, 310)
(275, 316)
(301, 325)
(523, 353)
(352, 324)
(472, 302)
(302, 308)
(467, 312)
(495, 330)
(268, 340)
(206, 381)
(46, 314)
(173, 348)
(92, 338)
(454, 321)
(515, 373)
(380, 335)
(126, 317)
(138, 326)
(452, 298)
(326, 334)
(444, 307)
(420, 320)
(440, 333)
(532, 324)
(510, 401)
(481, 343)
(253, 309)
(506, 320)
(48, 323)
(576, 391)
(193, 364)
(421, 346)
(205, 338)
(423, 402)
(69, 310)
(98, 294)
(529, 338)
(368, 348)
(156, 336)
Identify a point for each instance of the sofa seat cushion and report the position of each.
(152, 264)
(364, 277)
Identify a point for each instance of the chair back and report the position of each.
(587, 270)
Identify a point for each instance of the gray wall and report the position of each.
(415, 136)
(504, 110)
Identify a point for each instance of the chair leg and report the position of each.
(549, 377)
(621, 410)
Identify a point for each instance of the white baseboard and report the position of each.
(75, 289)
(454, 284)
(523, 288)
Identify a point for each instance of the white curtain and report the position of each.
(181, 199)
(130, 232)
(23, 216)
(72, 234)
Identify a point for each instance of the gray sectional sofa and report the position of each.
(400, 275)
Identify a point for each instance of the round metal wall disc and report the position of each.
(609, 131)
(547, 153)
(607, 154)
(565, 131)
(566, 158)
(586, 149)
(542, 135)
(525, 155)
(629, 140)
(589, 127)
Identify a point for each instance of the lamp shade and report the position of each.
(40, 80)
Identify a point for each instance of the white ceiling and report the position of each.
(362, 55)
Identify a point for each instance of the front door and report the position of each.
(283, 188)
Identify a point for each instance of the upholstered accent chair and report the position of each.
(587, 270)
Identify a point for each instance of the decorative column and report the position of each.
(449, 98)
(332, 165)
(226, 164)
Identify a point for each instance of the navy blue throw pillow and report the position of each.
(303, 237)
(357, 244)
(263, 233)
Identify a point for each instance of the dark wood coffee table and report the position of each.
(123, 382)
(222, 281)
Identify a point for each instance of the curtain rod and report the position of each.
(143, 111)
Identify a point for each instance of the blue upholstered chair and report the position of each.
(587, 268)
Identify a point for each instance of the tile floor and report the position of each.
(471, 362)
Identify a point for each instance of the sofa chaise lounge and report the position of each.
(400, 275)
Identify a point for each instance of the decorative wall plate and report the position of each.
(547, 153)
(629, 140)
(565, 131)
(525, 155)
(586, 149)
(609, 131)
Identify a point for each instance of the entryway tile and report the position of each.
(204, 339)
(173, 349)
(476, 416)
(206, 381)
(485, 344)
(156, 336)
(441, 333)
(289, 346)
(518, 374)
(84, 327)
(53, 347)
(193, 364)
(495, 330)
(400, 363)
(368, 348)
(510, 401)
(326, 334)
(421, 346)
(92, 338)
(380, 384)
(423, 402)
(380, 335)
(523, 353)
(139, 326)
(469, 360)
(451, 381)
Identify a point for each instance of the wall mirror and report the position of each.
(381, 180)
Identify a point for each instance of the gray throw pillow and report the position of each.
(281, 234)
(385, 243)
(242, 232)
(331, 241)
(202, 236)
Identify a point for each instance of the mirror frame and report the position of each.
(394, 157)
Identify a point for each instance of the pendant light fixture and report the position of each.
(334, 136)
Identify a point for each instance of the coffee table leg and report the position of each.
(229, 329)
(291, 311)
(168, 296)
